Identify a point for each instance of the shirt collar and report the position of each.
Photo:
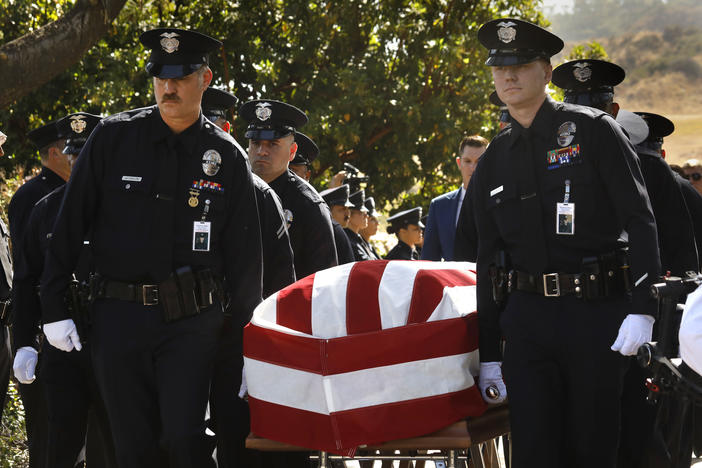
(188, 138)
(542, 124)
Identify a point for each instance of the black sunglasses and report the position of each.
(694, 176)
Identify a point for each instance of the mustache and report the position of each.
(170, 97)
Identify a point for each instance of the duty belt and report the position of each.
(146, 294)
(581, 285)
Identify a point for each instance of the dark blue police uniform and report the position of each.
(175, 239)
(339, 196)
(403, 251)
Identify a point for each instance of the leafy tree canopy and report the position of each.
(389, 85)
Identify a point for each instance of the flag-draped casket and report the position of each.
(364, 353)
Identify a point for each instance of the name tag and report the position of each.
(565, 218)
(201, 236)
(130, 178)
(497, 190)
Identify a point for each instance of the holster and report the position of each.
(606, 274)
(79, 307)
(499, 278)
(186, 293)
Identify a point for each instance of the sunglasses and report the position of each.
(694, 176)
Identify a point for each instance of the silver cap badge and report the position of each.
(263, 111)
(169, 43)
(566, 133)
(211, 162)
(582, 71)
(77, 123)
(506, 33)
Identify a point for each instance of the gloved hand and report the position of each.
(63, 335)
(636, 329)
(24, 364)
(490, 382)
(244, 389)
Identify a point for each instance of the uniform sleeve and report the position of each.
(25, 297)
(488, 311)
(72, 223)
(278, 265)
(319, 246)
(620, 171)
(431, 250)
(466, 244)
(242, 247)
(344, 249)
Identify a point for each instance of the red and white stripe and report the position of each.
(364, 353)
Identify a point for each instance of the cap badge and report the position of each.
(263, 111)
(566, 133)
(169, 43)
(582, 72)
(288, 217)
(78, 124)
(506, 33)
(211, 162)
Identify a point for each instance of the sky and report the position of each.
(557, 5)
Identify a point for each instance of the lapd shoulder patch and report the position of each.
(563, 157)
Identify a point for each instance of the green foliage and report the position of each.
(13, 447)
(390, 86)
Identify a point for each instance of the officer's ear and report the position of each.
(206, 78)
(548, 71)
(615, 109)
(293, 150)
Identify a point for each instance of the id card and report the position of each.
(565, 218)
(201, 236)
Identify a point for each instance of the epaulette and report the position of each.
(129, 115)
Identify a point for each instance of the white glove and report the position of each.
(490, 382)
(25, 363)
(636, 330)
(63, 335)
(244, 389)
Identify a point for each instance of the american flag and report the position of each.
(364, 353)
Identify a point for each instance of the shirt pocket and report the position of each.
(128, 202)
(504, 208)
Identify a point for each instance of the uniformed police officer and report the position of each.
(229, 413)
(554, 191)
(54, 173)
(338, 200)
(307, 151)
(272, 146)
(5, 286)
(170, 204)
(504, 113)
(372, 228)
(72, 396)
(358, 220)
(407, 226)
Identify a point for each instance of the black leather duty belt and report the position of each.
(146, 294)
(581, 285)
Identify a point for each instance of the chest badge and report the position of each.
(566, 133)
(506, 33)
(211, 162)
(288, 217)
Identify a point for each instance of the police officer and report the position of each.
(229, 413)
(338, 200)
(307, 151)
(372, 228)
(407, 226)
(72, 396)
(5, 287)
(170, 204)
(504, 113)
(358, 220)
(272, 146)
(55, 171)
(554, 192)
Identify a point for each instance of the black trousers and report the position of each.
(154, 378)
(5, 366)
(71, 396)
(35, 420)
(563, 380)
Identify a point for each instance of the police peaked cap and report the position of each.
(270, 120)
(370, 205)
(216, 102)
(588, 75)
(512, 41)
(658, 126)
(47, 134)
(307, 150)
(176, 52)
(358, 200)
(337, 196)
(77, 128)
(404, 218)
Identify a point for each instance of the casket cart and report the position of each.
(374, 356)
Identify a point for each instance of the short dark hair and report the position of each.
(474, 141)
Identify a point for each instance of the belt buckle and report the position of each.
(555, 290)
(149, 294)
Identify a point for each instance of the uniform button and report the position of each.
(577, 281)
(497, 200)
(610, 273)
(592, 277)
(128, 186)
(577, 290)
(207, 125)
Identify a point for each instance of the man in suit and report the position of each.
(440, 232)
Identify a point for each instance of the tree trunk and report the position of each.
(35, 58)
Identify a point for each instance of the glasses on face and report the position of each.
(694, 176)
